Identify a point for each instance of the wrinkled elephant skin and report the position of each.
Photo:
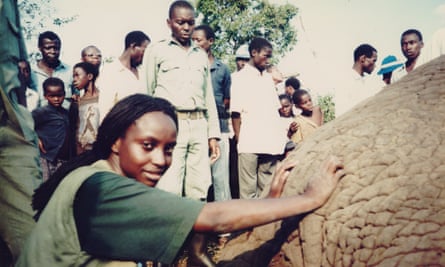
(389, 209)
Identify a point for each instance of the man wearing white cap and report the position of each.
(242, 56)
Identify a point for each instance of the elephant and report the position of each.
(389, 208)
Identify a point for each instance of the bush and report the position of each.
(327, 105)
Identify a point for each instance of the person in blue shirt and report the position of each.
(52, 125)
(204, 36)
(50, 65)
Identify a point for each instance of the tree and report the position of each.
(37, 15)
(236, 22)
(327, 105)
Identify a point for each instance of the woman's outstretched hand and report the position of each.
(280, 177)
(322, 184)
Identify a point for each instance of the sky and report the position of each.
(327, 30)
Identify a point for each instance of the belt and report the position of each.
(190, 114)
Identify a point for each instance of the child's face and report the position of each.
(306, 103)
(286, 108)
(80, 78)
(55, 95)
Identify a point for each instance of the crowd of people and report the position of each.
(172, 110)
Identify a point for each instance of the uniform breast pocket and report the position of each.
(198, 73)
(166, 67)
(169, 73)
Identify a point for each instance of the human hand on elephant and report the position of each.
(280, 177)
(322, 184)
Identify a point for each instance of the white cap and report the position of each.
(243, 52)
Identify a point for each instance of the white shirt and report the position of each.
(353, 90)
(253, 95)
(32, 99)
(438, 43)
(116, 82)
(400, 72)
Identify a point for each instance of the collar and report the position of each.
(60, 67)
(103, 164)
(216, 63)
(357, 75)
(252, 69)
(172, 41)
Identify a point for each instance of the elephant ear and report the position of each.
(388, 210)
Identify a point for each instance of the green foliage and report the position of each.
(237, 22)
(35, 17)
(327, 105)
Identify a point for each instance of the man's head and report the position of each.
(242, 56)
(181, 21)
(411, 43)
(260, 53)
(365, 57)
(136, 42)
(54, 91)
(49, 45)
(92, 55)
(292, 84)
(24, 71)
(204, 37)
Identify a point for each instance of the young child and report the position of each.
(286, 106)
(52, 126)
(85, 111)
(308, 121)
(287, 114)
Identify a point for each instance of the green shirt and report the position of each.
(183, 78)
(96, 216)
(123, 219)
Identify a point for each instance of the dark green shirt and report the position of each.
(119, 218)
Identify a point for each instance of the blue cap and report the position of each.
(389, 64)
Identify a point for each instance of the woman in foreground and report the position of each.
(103, 206)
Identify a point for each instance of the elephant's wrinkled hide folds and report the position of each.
(389, 209)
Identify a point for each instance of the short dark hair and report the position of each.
(210, 34)
(178, 4)
(258, 43)
(285, 96)
(412, 31)
(135, 37)
(364, 49)
(294, 82)
(48, 35)
(88, 68)
(52, 81)
(296, 97)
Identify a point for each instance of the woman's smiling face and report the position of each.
(145, 152)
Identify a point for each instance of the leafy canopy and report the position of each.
(236, 22)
